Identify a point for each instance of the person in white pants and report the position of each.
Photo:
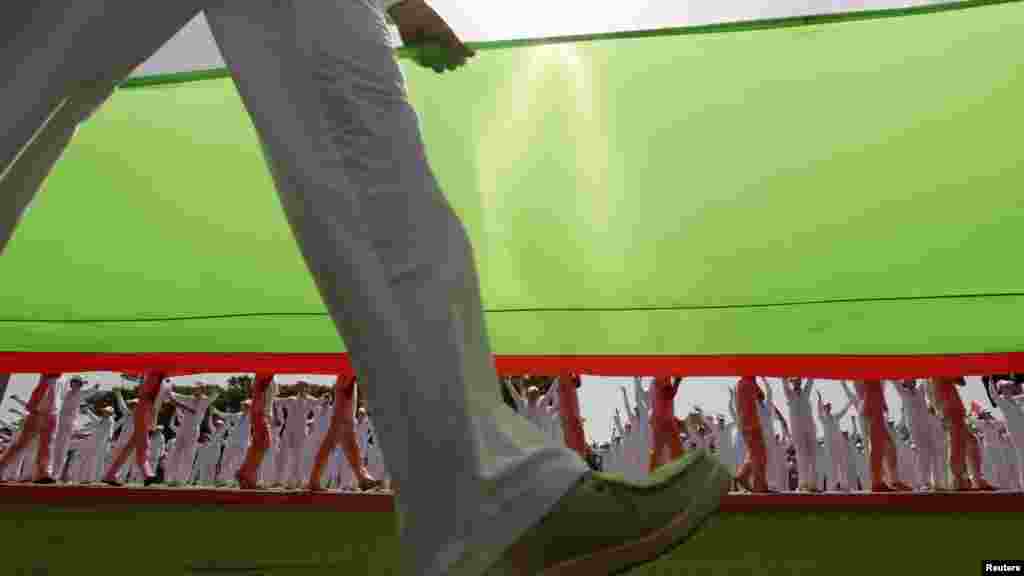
(942, 475)
(391, 259)
(643, 429)
(1014, 479)
(186, 446)
(727, 443)
(1012, 407)
(293, 442)
(805, 436)
(69, 411)
(124, 429)
(775, 458)
(237, 442)
(157, 444)
(915, 413)
(739, 448)
(101, 435)
(209, 454)
(836, 444)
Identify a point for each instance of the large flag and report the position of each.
(828, 188)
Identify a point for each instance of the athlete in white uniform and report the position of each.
(293, 442)
(69, 411)
(237, 441)
(187, 439)
(836, 444)
(775, 459)
(102, 436)
(929, 457)
(798, 399)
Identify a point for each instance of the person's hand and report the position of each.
(433, 42)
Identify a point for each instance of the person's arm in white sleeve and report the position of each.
(516, 397)
(17, 400)
(808, 387)
(639, 397)
(625, 402)
(732, 403)
(782, 421)
(551, 394)
(787, 391)
(617, 420)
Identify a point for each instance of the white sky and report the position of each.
(599, 396)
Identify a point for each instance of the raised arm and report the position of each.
(787, 390)
(617, 421)
(638, 396)
(782, 421)
(122, 407)
(516, 396)
(625, 401)
(808, 387)
(732, 403)
(551, 395)
(17, 400)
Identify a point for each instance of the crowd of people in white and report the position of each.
(805, 456)
(204, 446)
(201, 446)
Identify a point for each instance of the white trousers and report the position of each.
(62, 442)
(839, 455)
(289, 464)
(391, 259)
(928, 452)
(184, 454)
(806, 444)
